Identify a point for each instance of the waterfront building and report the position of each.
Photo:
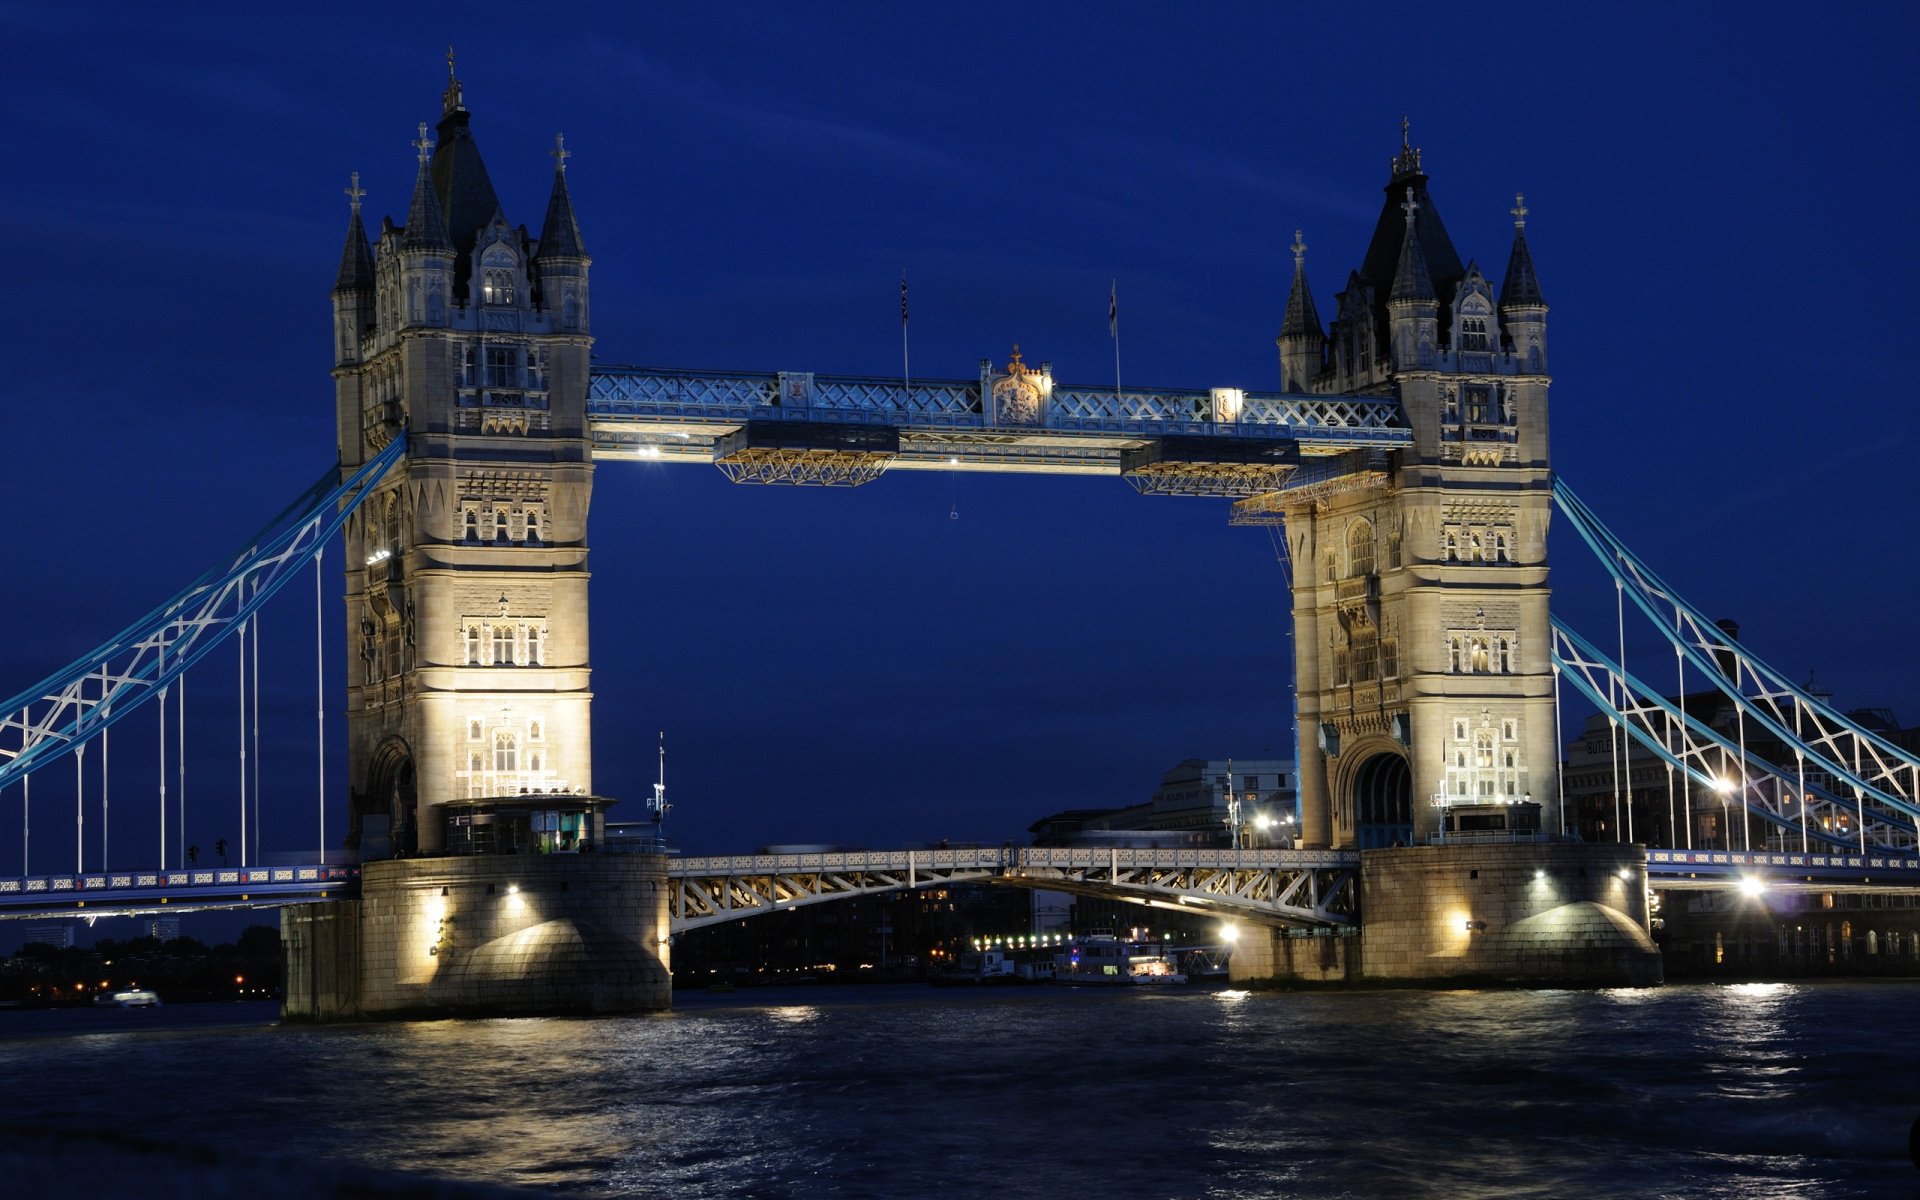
(1200, 802)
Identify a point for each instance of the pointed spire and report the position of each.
(356, 261)
(426, 224)
(1521, 288)
(1302, 317)
(1410, 279)
(560, 233)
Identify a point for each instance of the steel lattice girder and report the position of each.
(62, 713)
(1859, 758)
(1709, 758)
(1275, 887)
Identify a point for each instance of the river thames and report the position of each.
(1755, 1090)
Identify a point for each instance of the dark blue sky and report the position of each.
(1722, 216)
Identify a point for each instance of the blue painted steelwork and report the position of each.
(69, 708)
(1884, 777)
(1773, 793)
(120, 893)
(685, 415)
(1778, 870)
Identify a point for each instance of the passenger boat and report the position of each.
(1103, 961)
(977, 968)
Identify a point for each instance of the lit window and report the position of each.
(473, 735)
(533, 646)
(503, 645)
(506, 751)
(499, 286)
(473, 655)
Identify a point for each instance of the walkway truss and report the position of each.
(1846, 787)
(797, 427)
(62, 713)
(1265, 887)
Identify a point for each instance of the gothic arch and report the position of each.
(391, 789)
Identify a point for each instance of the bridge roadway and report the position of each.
(1267, 886)
(149, 892)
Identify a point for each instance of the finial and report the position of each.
(1407, 162)
(1299, 249)
(560, 152)
(451, 101)
(1016, 367)
(1405, 124)
(354, 193)
(1519, 211)
(1410, 207)
(424, 145)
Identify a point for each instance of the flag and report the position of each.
(903, 295)
(1113, 311)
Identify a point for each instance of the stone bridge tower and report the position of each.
(466, 572)
(1420, 594)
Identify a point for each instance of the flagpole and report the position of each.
(1113, 327)
(906, 375)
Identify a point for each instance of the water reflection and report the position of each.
(1698, 1091)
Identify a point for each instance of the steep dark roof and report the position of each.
(1521, 286)
(356, 260)
(560, 233)
(1411, 280)
(426, 224)
(1382, 262)
(1302, 318)
(460, 180)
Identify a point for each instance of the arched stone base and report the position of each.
(492, 935)
(1526, 914)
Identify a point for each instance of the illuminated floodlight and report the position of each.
(1723, 786)
(1750, 886)
(1229, 933)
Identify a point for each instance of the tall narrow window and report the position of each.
(503, 645)
(503, 366)
(533, 525)
(533, 645)
(472, 523)
(473, 651)
(506, 751)
(1360, 549)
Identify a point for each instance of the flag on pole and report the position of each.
(1113, 311)
(903, 295)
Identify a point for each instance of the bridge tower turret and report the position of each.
(1303, 344)
(1420, 610)
(466, 579)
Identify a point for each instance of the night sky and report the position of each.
(1722, 214)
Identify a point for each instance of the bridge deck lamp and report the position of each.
(1751, 886)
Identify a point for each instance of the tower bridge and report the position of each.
(1405, 455)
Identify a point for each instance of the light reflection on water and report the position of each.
(890, 1091)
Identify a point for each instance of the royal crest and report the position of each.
(1017, 394)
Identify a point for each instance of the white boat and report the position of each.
(1103, 961)
(137, 998)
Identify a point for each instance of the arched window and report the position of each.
(506, 750)
(473, 651)
(1483, 748)
(1480, 664)
(1360, 548)
(533, 646)
(503, 645)
(533, 525)
(471, 522)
